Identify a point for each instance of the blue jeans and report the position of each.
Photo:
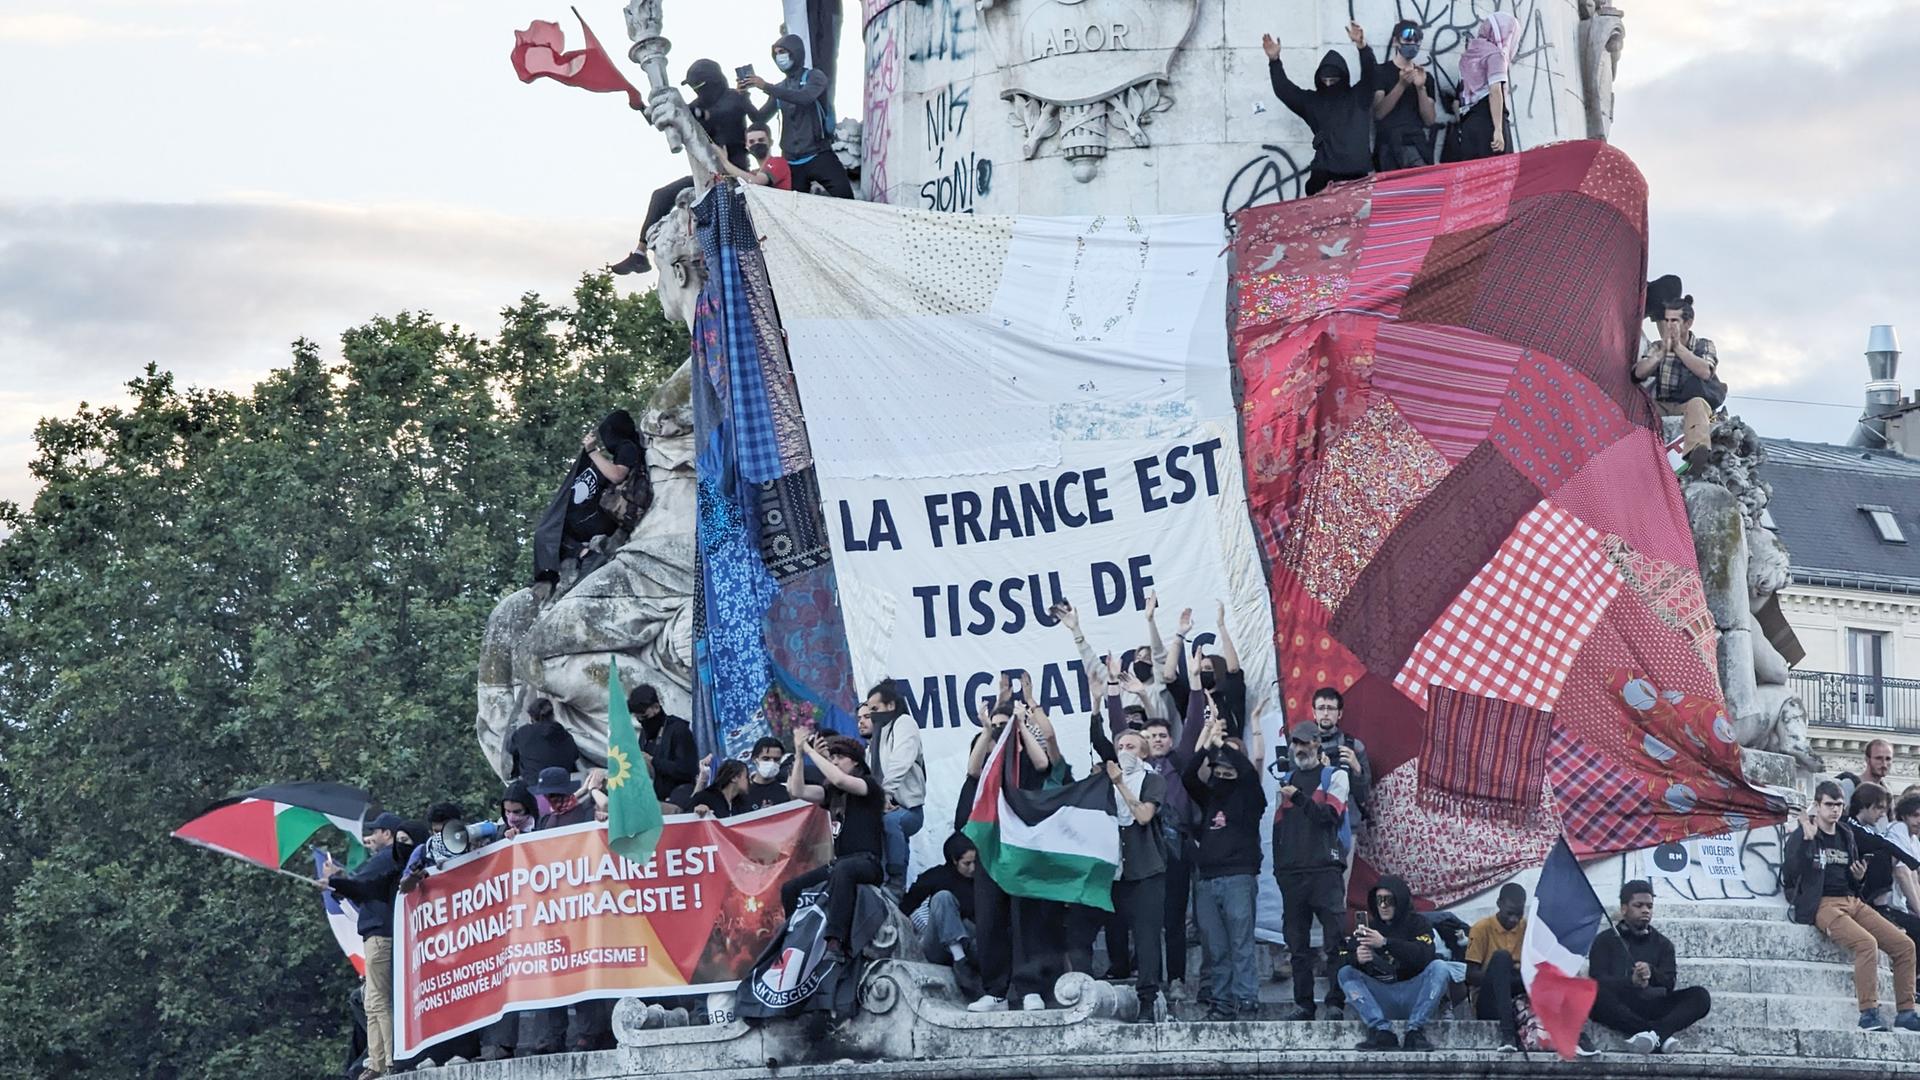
(1225, 913)
(945, 928)
(1380, 1002)
(900, 825)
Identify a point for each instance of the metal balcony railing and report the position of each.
(1859, 701)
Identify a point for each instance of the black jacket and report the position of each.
(371, 888)
(541, 745)
(1306, 829)
(676, 758)
(720, 109)
(1409, 947)
(804, 100)
(1802, 876)
(1341, 118)
(940, 878)
(1611, 958)
(1228, 814)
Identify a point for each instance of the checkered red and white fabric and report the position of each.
(1515, 629)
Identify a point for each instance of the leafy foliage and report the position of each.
(214, 591)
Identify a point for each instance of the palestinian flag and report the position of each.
(1056, 844)
(267, 825)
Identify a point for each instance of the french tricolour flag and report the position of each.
(1562, 922)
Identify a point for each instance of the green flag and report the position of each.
(633, 810)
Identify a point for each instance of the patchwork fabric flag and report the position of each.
(267, 825)
(1470, 526)
(769, 643)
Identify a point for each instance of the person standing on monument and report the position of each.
(894, 757)
(1635, 967)
(1681, 372)
(722, 113)
(1483, 129)
(1878, 766)
(1821, 872)
(1338, 110)
(1343, 750)
(804, 99)
(1225, 789)
(1403, 107)
(1311, 844)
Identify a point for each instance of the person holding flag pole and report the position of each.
(1562, 920)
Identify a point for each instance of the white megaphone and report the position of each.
(460, 837)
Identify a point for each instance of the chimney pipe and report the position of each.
(1883, 388)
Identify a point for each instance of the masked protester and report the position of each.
(769, 169)
(1483, 129)
(893, 755)
(1337, 109)
(1403, 108)
(766, 784)
(804, 99)
(1225, 789)
(668, 742)
(722, 113)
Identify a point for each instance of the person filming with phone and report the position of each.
(1392, 971)
(1312, 840)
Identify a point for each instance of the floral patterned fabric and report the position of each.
(1456, 485)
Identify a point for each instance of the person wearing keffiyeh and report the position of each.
(1483, 130)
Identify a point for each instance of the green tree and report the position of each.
(214, 591)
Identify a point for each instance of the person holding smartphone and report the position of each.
(1393, 971)
(1312, 841)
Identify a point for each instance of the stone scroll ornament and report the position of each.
(1085, 73)
(1470, 525)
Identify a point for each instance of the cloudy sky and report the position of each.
(198, 182)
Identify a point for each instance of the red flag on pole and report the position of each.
(539, 51)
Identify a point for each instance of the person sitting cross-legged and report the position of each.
(1392, 971)
(1634, 965)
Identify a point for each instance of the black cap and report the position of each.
(554, 780)
(387, 820)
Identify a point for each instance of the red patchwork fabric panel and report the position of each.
(1448, 383)
(1514, 631)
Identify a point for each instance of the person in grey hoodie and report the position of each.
(804, 99)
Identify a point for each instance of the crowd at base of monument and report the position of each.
(1183, 793)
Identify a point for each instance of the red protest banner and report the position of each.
(554, 917)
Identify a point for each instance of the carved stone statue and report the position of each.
(637, 605)
(1742, 565)
(847, 139)
(1603, 34)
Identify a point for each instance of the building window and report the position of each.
(1867, 657)
(1885, 523)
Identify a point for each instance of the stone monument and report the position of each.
(1161, 106)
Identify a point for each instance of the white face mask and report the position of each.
(1129, 761)
(783, 61)
(766, 770)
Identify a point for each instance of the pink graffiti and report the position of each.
(883, 79)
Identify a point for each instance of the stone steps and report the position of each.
(1739, 976)
(1713, 938)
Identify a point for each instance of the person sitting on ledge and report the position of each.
(1392, 972)
(1681, 371)
(1493, 948)
(1890, 868)
(857, 805)
(1634, 965)
(1821, 871)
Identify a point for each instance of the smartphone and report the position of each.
(744, 71)
(1359, 920)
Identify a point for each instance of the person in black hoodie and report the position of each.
(1635, 967)
(1226, 793)
(1338, 110)
(576, 515)
(804, 99)
(540, 744)
(371, 887)
(1311, 843)
(940, 903)
(1392, 971)
(668, 744)
(722, 113)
